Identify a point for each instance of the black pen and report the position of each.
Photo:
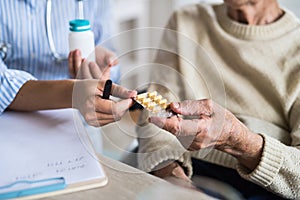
(107, 89)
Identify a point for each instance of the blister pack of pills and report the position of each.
(155, 104)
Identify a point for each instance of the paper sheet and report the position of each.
(46, 144)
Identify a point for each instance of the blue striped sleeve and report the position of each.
(10, 83)
(101, 19)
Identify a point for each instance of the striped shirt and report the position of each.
(23, 27)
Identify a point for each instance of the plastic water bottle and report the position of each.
(81, 37)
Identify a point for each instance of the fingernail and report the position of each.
(176, 105)
(111, 61)
(132, 93)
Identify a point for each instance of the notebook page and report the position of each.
(46, 144)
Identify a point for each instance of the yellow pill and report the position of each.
(157, 98)
(151, 105)
(152, 94)
(164, 105)
(140, 97)
(163, 101)
(146, 101)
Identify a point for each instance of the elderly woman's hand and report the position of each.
(212, 126)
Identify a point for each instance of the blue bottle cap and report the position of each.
(78, 25)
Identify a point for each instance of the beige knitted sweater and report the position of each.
(256, 75)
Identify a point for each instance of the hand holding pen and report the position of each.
(95, 105)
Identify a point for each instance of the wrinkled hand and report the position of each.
(212, 125)
(174, 173)
(95, 110)
(83, 68)
(171, 170)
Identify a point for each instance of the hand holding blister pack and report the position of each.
(156, 104)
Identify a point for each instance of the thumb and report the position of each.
(158, 121)
(193, 107)
(122, 92)
(121, 107)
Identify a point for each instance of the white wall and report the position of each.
(292, 5)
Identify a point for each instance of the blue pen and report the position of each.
(59, 184)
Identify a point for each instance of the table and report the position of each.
(126, 182)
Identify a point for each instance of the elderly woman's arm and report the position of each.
(262, 159)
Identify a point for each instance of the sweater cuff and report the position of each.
(269, 165)
(158, 161)
(158, 148)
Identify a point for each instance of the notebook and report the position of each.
(46, 151)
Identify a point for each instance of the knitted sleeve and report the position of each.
(279, 168)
